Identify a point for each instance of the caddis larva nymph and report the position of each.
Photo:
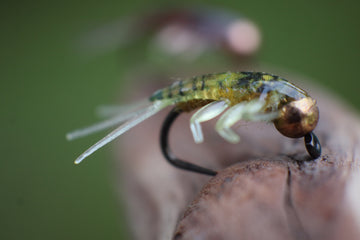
(249, 96)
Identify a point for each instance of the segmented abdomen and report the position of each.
(183, 90)
(236, 87)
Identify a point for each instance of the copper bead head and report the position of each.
(298, 118)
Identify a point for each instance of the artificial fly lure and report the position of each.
(249, 96)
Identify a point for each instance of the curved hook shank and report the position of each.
(164, 144)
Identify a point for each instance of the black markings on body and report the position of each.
(202, 83)
(194, 88)
(169, 92)
(158, 95)
(246, 73)
(261, 88)
(257, 76)
(181, 93)
(221, 85)
(244, 81)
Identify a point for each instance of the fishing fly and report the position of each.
(249, 96)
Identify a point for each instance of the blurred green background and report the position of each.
(48, 88)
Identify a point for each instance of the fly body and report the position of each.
(249, 96)
(234, 87)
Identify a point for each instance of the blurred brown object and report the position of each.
(182, 32)
(267, 188)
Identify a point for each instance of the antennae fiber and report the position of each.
(116, 118)
(101, 126)
(148, 112)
